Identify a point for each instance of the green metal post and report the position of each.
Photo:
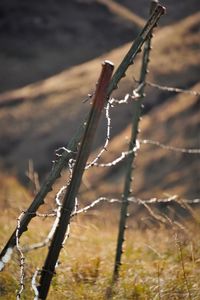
(128, 177)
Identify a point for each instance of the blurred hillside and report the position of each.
(48, 36)
(45, 38)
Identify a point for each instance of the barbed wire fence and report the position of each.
(68, 156)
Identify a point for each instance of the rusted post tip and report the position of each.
(108, 62)
(107, 66)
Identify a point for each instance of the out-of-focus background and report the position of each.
(50, 58)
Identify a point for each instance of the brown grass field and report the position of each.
(160, 261)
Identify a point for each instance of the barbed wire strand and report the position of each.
(171, 148)
(22, 258)
(46, 241)
(169, 88)
(172, 89)
(155, 200)
(110, 103)
(46, 215)
(34, 283)
(107, 109)
(94, 203)
(118, 159)
(134, 200)
(124, 154)
(135, 95)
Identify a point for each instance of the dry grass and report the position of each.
(159, 262)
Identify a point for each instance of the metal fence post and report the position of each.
(128, 177)
(78, 170)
